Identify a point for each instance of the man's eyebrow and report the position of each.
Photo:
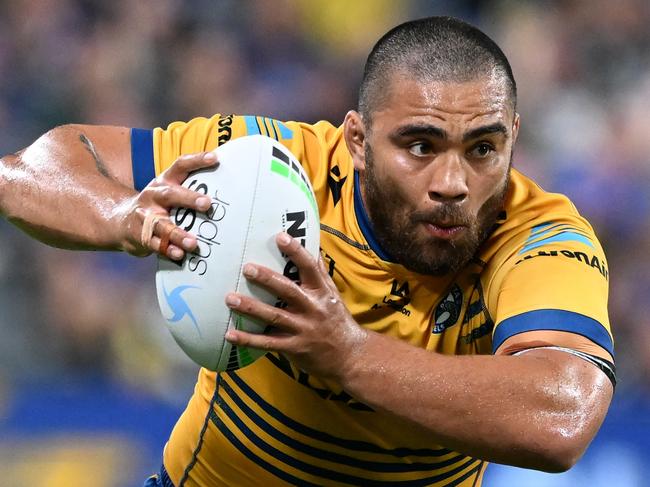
(495, 128)
(421, 129)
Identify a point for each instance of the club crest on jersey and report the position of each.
(448, 310)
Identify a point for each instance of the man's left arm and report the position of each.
(536, 410)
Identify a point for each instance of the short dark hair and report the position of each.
(432, 49)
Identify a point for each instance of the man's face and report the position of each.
(434, 175)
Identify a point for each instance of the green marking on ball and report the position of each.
(279, 168)
(244, 356)
(238, 322)
(283, 170)
(243, 353)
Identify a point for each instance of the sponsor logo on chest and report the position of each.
(398, 299)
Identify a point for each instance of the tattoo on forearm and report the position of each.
(101, 167)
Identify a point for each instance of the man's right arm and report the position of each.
(73, 188)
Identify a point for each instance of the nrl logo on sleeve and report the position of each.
(448, 310)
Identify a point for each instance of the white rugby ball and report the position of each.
(258, 189)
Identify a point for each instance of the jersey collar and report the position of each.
(364, 223)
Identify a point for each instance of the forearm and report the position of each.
(62, 191)
(534, 411)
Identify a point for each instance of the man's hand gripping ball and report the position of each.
(315, 331)
(147, 224)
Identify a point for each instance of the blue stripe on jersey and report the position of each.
(325, 437)
(318, 452)
(292, 461)
(565, 236)
(252, 128)
(476, 470)
(144, 170)
(473, 309)
(555, 320)
(318, 471)
(364, 222)
(540, 227)
(285, 132)
(564, 233)
(540, 230)
(269, 467)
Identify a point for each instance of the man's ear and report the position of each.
(515, 129)
(354, 132)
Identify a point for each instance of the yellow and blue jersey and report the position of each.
(541, 279)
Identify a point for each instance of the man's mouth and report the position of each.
(445, 231)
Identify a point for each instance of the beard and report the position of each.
(395, 226)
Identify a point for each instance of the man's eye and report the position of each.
(481, 150)
(420, 149)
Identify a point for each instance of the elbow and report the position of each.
(543, 451)
(571, 421)
(556, 445)
(559, 458)
(550, 452)
(8, 165)
(561, 446)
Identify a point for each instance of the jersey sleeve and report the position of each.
(153, 151)
(553, 290)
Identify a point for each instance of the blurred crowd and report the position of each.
(583, 71)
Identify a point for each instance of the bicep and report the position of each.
(109, 147)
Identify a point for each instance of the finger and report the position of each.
(170, 234)
(261, 341)
(270, 315)
(275, 283)
(149, 221)
(185, 164)
(178, 196)
(326, 276)
(172, 252)
(308, 266)
(159, 234)
(163, 244)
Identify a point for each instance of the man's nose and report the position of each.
(448, 179)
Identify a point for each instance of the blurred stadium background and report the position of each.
(90, 381)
